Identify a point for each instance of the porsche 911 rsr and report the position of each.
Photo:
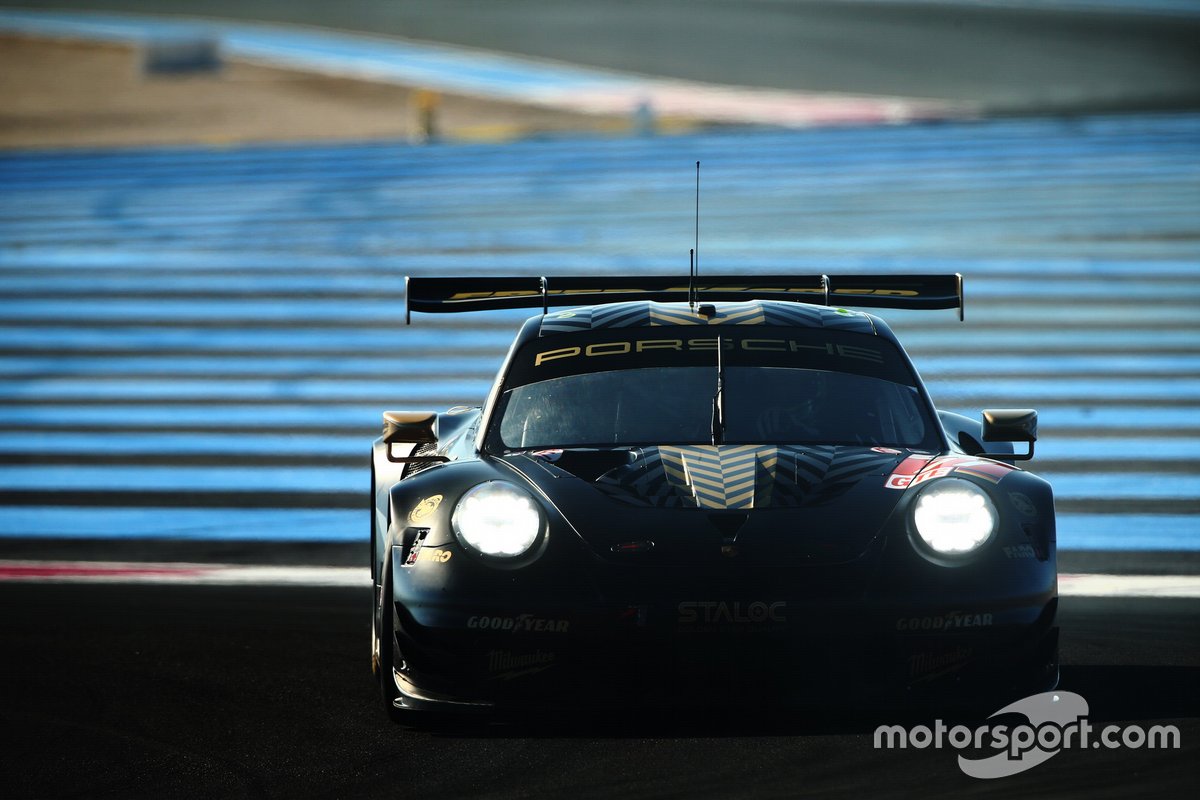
(745, 498)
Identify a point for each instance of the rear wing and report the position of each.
(447, 295)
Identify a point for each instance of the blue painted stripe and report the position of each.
(1076, 389)
(185, 478)
(1128, 532)
(186, 444)
(1057, 445)
(275, 417)
(1124, 486)
(1118, 418)
(401, 390)
(301, 367)
(204, 524)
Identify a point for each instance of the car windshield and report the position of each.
(658, 405)
(652, 386)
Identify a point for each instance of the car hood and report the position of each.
(752, 503)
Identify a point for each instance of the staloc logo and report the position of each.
(715, 612)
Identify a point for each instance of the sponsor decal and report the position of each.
(431, 555)
(510, 665)
(1020, 551)
(917, 469)
(945, 622)
(737, 613)
(522, 623)
(928, 665)
(627, 346)
(635, 615)
(1022, 503)
(906, 470)
(425, 508)
(459, 297)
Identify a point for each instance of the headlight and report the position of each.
(954, 516)
(497, 519)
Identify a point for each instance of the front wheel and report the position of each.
(385, 641)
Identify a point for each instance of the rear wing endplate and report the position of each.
(447, 295)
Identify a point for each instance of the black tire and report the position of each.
(374, 581)
(386, 631)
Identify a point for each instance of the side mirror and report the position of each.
(414, 428)
(1011, 425)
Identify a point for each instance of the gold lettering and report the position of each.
(483, 295)
(607, 349)
(773, 345)
(888, 292)
(863, 353)
(659, 344)
(551, 355)
(796, 347)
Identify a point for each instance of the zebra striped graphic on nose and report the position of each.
(722, 477)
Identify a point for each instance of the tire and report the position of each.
(386, 635)
(374, 582)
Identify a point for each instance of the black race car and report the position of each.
(733, 492)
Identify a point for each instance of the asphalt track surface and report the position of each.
(1016, 57)
(120, 691)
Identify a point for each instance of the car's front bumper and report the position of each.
(735, 653)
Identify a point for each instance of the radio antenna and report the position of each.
(694, 259)
(691, 279)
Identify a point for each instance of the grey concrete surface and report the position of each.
(1008, 59)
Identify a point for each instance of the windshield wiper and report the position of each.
(718, 402)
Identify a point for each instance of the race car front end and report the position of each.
(633, 605)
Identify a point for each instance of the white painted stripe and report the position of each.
(1129, 586)
(1070, 585)
(181, 573)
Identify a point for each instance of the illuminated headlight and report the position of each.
(954, 516)
(497, 519)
